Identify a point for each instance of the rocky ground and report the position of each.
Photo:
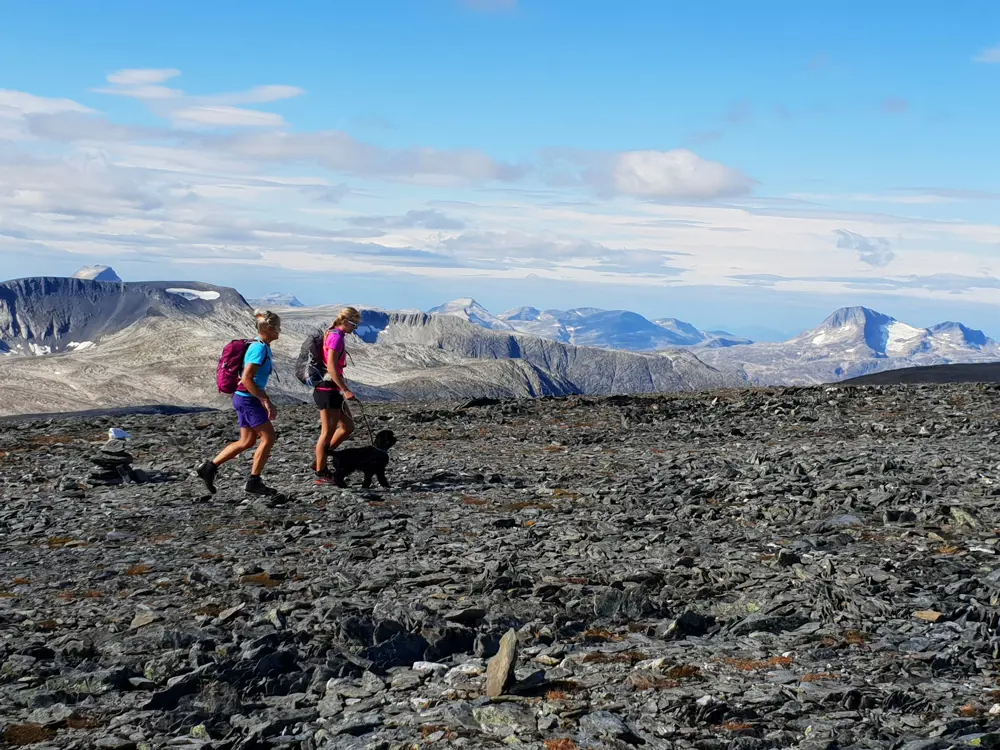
(811, 568)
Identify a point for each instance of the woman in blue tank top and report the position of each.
(254, 409)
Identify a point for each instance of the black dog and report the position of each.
(370, 460)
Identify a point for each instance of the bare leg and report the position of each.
(247, 439)
(345, 428)
(263, 452)
(327, 420)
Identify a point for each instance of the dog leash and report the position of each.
(364, 415)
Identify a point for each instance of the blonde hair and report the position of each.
(266, 319)
(345, 315)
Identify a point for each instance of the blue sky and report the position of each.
(737, 165)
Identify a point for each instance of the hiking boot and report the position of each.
(256, 486)
(324, 477)
(207, 472)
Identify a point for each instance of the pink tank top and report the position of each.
(334, 342)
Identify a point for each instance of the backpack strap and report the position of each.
(269, 356)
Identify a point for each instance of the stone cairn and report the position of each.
(114, 463)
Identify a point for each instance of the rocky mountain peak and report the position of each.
(97, 273)
(468, 309)
(959, 333)
(276, 299)
(856, 316)
(521, 313)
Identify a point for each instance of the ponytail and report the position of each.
(345, 315)
(266, 319)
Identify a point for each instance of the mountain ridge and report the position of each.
(159, 342)
(121, 344)
(589, 326)
(50, 314)
(852, 342)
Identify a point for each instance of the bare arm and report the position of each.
(337, 378)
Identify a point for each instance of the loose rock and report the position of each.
(776, 568)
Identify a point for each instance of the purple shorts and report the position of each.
(250, 411)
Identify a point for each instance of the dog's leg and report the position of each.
(367, 481)
(382, 480)
(338, 480)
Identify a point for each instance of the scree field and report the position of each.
(748, 569)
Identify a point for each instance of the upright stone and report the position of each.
(500, 670)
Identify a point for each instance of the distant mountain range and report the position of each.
(851, 342)
(275, 301)
(109, 345)
(591, 326)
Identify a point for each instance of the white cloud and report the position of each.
(340, 151)
(143, 84)
(17, 108)
(147, 93)
(258, 95)
(142, 76)
(219, 115)
(222, 192)
(20, 104)
(676, 174)
(271, 142)
(908, 197)
(426, 219)
(875, 251)
(219, 110)
(551, 250)
(991, 55)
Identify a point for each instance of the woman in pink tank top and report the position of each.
(336, 424)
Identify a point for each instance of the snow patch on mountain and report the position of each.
(902, 339)
(194, 293)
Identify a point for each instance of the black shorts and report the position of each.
(331, 399)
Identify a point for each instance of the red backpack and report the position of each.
(229, 372)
